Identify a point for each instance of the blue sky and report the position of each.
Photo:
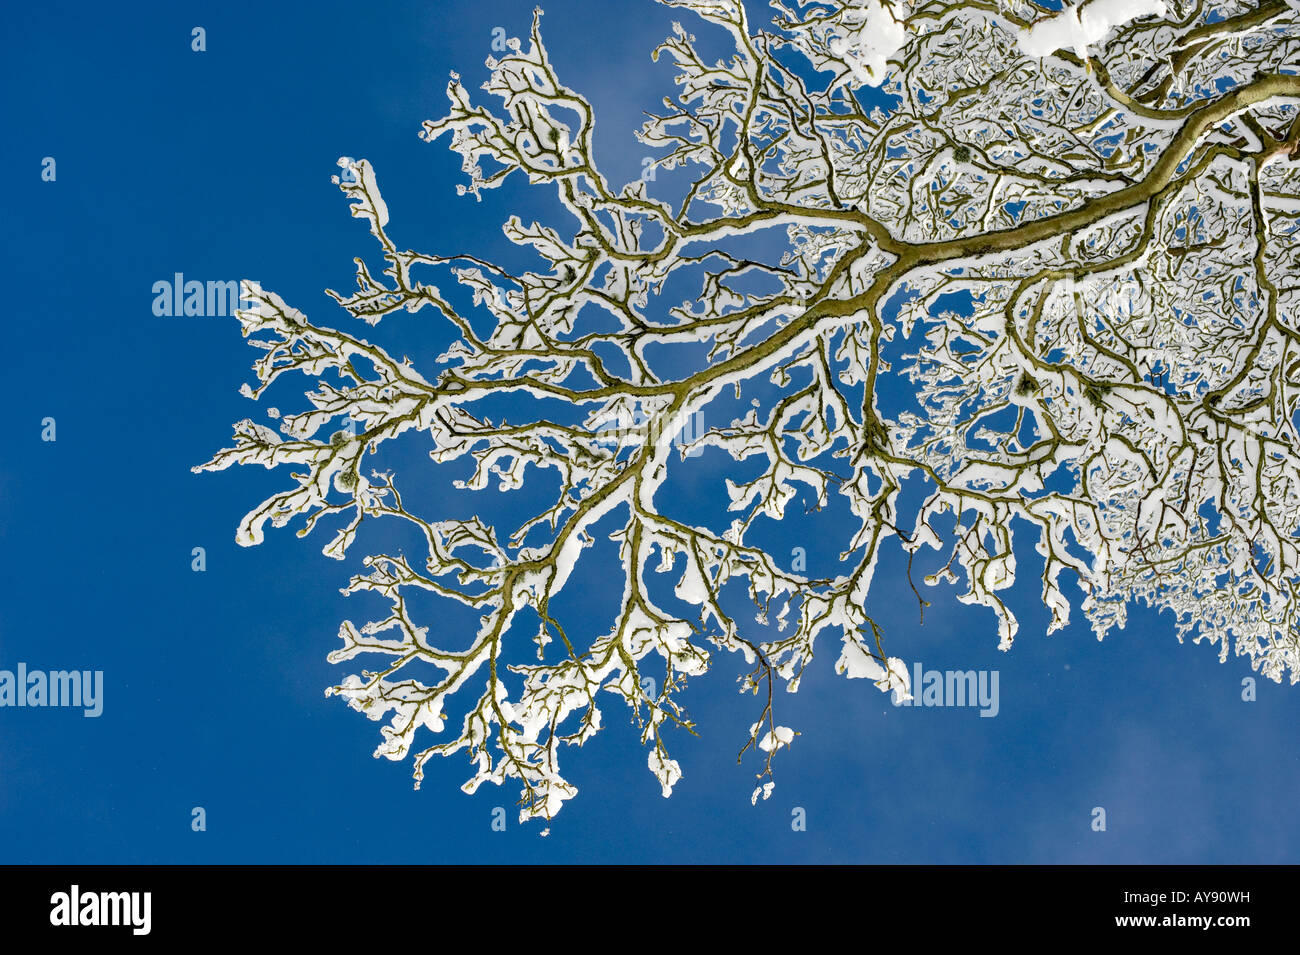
(217, 165)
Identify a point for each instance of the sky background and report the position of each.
(217, 165)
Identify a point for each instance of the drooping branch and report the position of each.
(1075, 245)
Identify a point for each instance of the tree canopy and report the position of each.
(1071, 234)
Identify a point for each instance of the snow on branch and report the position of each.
(1070, 242)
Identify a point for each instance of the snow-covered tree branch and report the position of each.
(1074, 237)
